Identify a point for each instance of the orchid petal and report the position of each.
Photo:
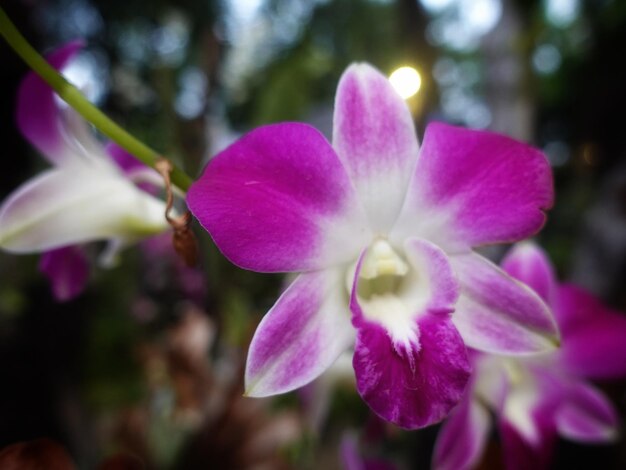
(56, 130)
(519, 454)
(586, 416)
(110, 256)
(375, 138)
(498, 314)
(38, 114)
(350, 456)
(61, 207)
(491, 378)
(411, 364)
(379, 464)
(67, 269)
(593, 335)
(526, 421)
(437, 283)
(126, 161)
(463, 436)
(279, 200)
(416, 384)
(472, 188)
(521, 405)
(528, 263)
(301, 336)
(134, 169)
(352, 459)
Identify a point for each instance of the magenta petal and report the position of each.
(462, 438)
(350, 456)
(575, 308)
(280, 200)
(126, 161)
(472, 187)
(379, 464)
(528, 263)
(498, 314)
(594, 344)
(416, 385)
(436, 281)
(374, 135)
(410, 362)
(519, 454)
(67, 270)
(301, 336)
(586, 416)
(132, 167)
(38, 115)
(352, 459)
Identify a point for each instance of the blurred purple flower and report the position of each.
(88, 195)
(164, 268)
(541, 396)
(67, 269)
(374, 220)
(352, 458)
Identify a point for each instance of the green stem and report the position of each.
(70, 94)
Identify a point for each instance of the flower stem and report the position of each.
(70, 94)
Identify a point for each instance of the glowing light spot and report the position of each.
(406, 81)
(436, 6)
(562, 13)
(546, 59)
(558, 152)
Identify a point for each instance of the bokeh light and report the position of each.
(562, 13)
(406, 81)
(546, 59)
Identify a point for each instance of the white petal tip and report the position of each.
(254, 391)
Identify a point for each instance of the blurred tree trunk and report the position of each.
(507, 87)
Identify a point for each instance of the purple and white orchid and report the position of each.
(382, 229)
(88, 195)
(539, 397)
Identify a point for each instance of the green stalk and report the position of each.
(72, 96)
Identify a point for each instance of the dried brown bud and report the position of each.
(186, 246)
(184, 241)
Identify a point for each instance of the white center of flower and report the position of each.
(386, 292)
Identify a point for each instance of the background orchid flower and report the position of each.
(539, 397)
(352, 458)
(67, 270)
(384, 230)
(87, 195)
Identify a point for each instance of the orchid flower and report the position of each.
(539, 397)
(89, 194)
(381, 233)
